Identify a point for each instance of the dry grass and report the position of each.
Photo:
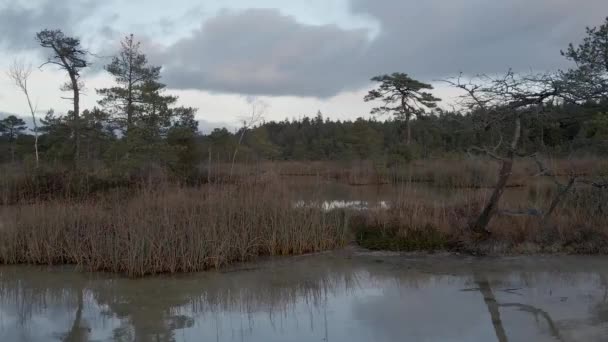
(146, 228)
(18, 185)
(578, 225)
(169, 229)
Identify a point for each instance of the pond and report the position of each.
(349, 295)
(331, 194)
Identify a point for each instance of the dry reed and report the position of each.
(170, 229)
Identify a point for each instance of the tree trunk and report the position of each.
(481, 224)
(130, 88)
(209, 168)
(13, 151)
(561, 194)
(236, 150)
(408, 117)
(33, 112)
(76, 124)
(409, 130)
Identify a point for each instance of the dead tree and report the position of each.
(505, 100)
(69, 56)
(258, 108)
(20, 74)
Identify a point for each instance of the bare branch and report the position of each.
(533, 212)
(485, 151)
(20, 73)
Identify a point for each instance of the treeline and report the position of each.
(560, 131)
(137, 126)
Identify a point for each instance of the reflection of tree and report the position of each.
(536, 312)
(154, 308)
(30, 292)
(493, 308)
(158, 308)
(78, 332)
(600, 310)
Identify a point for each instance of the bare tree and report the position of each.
(256, 114)
(68, 55)
(20, 74)
(504, 100)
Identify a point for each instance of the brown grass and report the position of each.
(148, 227)
(18, 185)
(170, 229)
(578, 225)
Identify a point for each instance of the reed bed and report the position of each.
(167, 229)
(578, 225)
(153, 225)
(50, 182)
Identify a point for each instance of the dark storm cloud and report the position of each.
(19, 23)
(433, 38)
(263, 52)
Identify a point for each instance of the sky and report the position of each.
(298, 56)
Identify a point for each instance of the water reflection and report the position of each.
(333, 297)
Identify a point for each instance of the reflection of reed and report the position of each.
(155, 308)
(29, 291)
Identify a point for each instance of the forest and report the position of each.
(82, 187)
(562, 130)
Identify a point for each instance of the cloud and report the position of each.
(265, 52)
(262, 52)
(19, 23)
(433, 38)
(206, 127)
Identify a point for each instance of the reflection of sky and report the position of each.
(302, 322)
(380, 302)
(53, 323)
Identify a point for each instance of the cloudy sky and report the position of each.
(298, 56)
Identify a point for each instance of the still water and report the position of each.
(329, 194)
(350, 295)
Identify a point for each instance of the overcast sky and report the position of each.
(299, 56)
